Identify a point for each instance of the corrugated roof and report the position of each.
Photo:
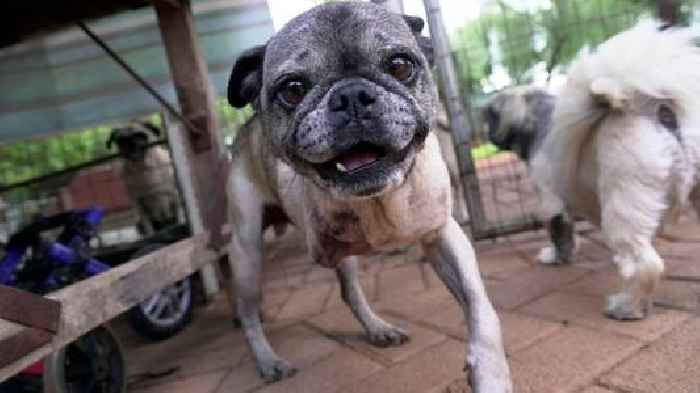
(63, 81)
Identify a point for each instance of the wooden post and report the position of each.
(455, 109)
(202, 152)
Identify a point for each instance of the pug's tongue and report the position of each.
(352, 160)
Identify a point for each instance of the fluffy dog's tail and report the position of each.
(644, 61)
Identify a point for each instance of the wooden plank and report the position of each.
(205, 151)
(186, 181)
(29, 309)
(89, 303)
(22, 343)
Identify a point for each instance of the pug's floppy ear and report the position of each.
(246, 77)
(416, 25)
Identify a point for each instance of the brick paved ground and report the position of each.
(555, 335)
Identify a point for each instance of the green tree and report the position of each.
(526, 40)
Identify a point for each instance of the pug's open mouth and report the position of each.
(362, 160)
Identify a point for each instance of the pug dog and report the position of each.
(518, 118)
(149, 176)
(341, 142)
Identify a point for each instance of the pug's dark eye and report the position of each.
(400, 67)
(292, 92)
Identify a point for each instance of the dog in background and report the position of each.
(623, 151)
(149, 176)
(342, 142)
(518, 119)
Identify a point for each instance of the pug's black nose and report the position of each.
(352, 101)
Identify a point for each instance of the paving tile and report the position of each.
(297, 344)
(688, 269)
(587, 311)
(599, 284)
(333, 373)
(402, 280)
(530, 284)
(674, 294)
(368, 284)
(431, 369)
(518, 330)
(341, 325)
(596, 389)
(591, 254)
(457, 386)
(568, 360)
(500, 266)
(681, 295)
(186, 363)
(319, 274)
(211, 336)
(306, 301)
(205, 383)
(669, 365)
(417, 308)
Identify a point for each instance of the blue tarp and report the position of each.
(63, 81)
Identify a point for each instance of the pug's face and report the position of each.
(132, 141)
(345, 94)
(132, 145)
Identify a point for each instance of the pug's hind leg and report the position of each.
(379, 332)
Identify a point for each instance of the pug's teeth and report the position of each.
(341, 167)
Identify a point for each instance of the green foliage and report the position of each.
(28, 159)
(231, 119)
(33, 158)
(484, 151)
(524, 38)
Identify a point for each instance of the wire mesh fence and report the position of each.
(531, 42)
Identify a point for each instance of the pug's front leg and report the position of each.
(455, 263)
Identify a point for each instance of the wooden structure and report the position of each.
(40, 326)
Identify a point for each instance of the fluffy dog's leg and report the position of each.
(245, 259)
(559, 225)
(379, 332)
(454, 261)
(629, 230)
(561, 233)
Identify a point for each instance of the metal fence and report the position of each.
(530, 42)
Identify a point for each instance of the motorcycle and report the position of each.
(94, 363)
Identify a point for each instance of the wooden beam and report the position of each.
(187, 182)
(204, 151)
(29, 309)
(92, 302)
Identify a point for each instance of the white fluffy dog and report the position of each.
(624, 150)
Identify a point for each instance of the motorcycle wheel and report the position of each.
(94, 363)
(166, 312)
